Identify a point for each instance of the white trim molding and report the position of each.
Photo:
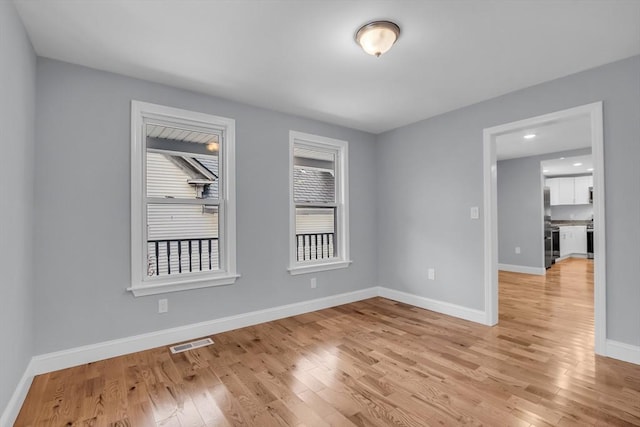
(14, 405)
(622, 351)
(594, 112)
(340, 150)
(313, 268)
(539, 271)
(599, 229)
(143, 113)
(442, 307)
(490, 179)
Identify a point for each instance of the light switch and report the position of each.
(475, 212)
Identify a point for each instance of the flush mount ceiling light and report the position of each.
(377, 37)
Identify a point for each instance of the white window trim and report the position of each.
(343, 259)
(141, 111)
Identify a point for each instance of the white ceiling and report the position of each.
(551, 137)
(568, 166)
(299, 56)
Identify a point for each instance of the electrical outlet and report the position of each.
(314, 283)
(431, 274)
(517, 249)
(163, 305)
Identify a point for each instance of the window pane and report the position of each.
(182, 163)
(184, 177)
(315, 233)
(314, 176)
(182, 239)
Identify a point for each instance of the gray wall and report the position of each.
(17, 97)
(520, 207)
(83, 210)
(430, 173)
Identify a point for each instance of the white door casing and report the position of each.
(594, 112)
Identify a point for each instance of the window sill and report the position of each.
(312, 268)
(176, 286)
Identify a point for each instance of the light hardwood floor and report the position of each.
(374, 362)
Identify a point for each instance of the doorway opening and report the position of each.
(593, 114)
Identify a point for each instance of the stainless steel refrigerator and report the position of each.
(548, 232)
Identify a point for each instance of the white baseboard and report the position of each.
(12, 409)
(94, 352)
(91, 353)
(449, 309)
(540, 271)
(567, 256)
(622, 351)
(581, 256)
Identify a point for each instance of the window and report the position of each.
(182, 200)
(319, 218)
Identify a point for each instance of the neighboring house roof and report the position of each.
(313, 185)
(201, 171)
(211, 164)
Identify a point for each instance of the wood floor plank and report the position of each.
(371, 363)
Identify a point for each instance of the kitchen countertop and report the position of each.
(569, 222)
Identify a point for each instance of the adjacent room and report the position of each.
(312, 213)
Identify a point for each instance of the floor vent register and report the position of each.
(191, 345)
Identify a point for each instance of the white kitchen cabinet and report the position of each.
(565, 241)
(581, 189)
(553, 185)
(573, 240)
(566, 189)
(580, 240)
(570, 190)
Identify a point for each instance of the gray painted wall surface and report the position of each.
(83, 211)
(430, 173)
(17, 112)
(520, 207)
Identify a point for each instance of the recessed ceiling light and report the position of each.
(530, 136)
(590, 169)
(545, 170)
(577, 164)
(561, 158)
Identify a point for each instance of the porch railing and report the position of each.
(313, 246)
(173, 256)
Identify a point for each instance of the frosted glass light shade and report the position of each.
(377, 37)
